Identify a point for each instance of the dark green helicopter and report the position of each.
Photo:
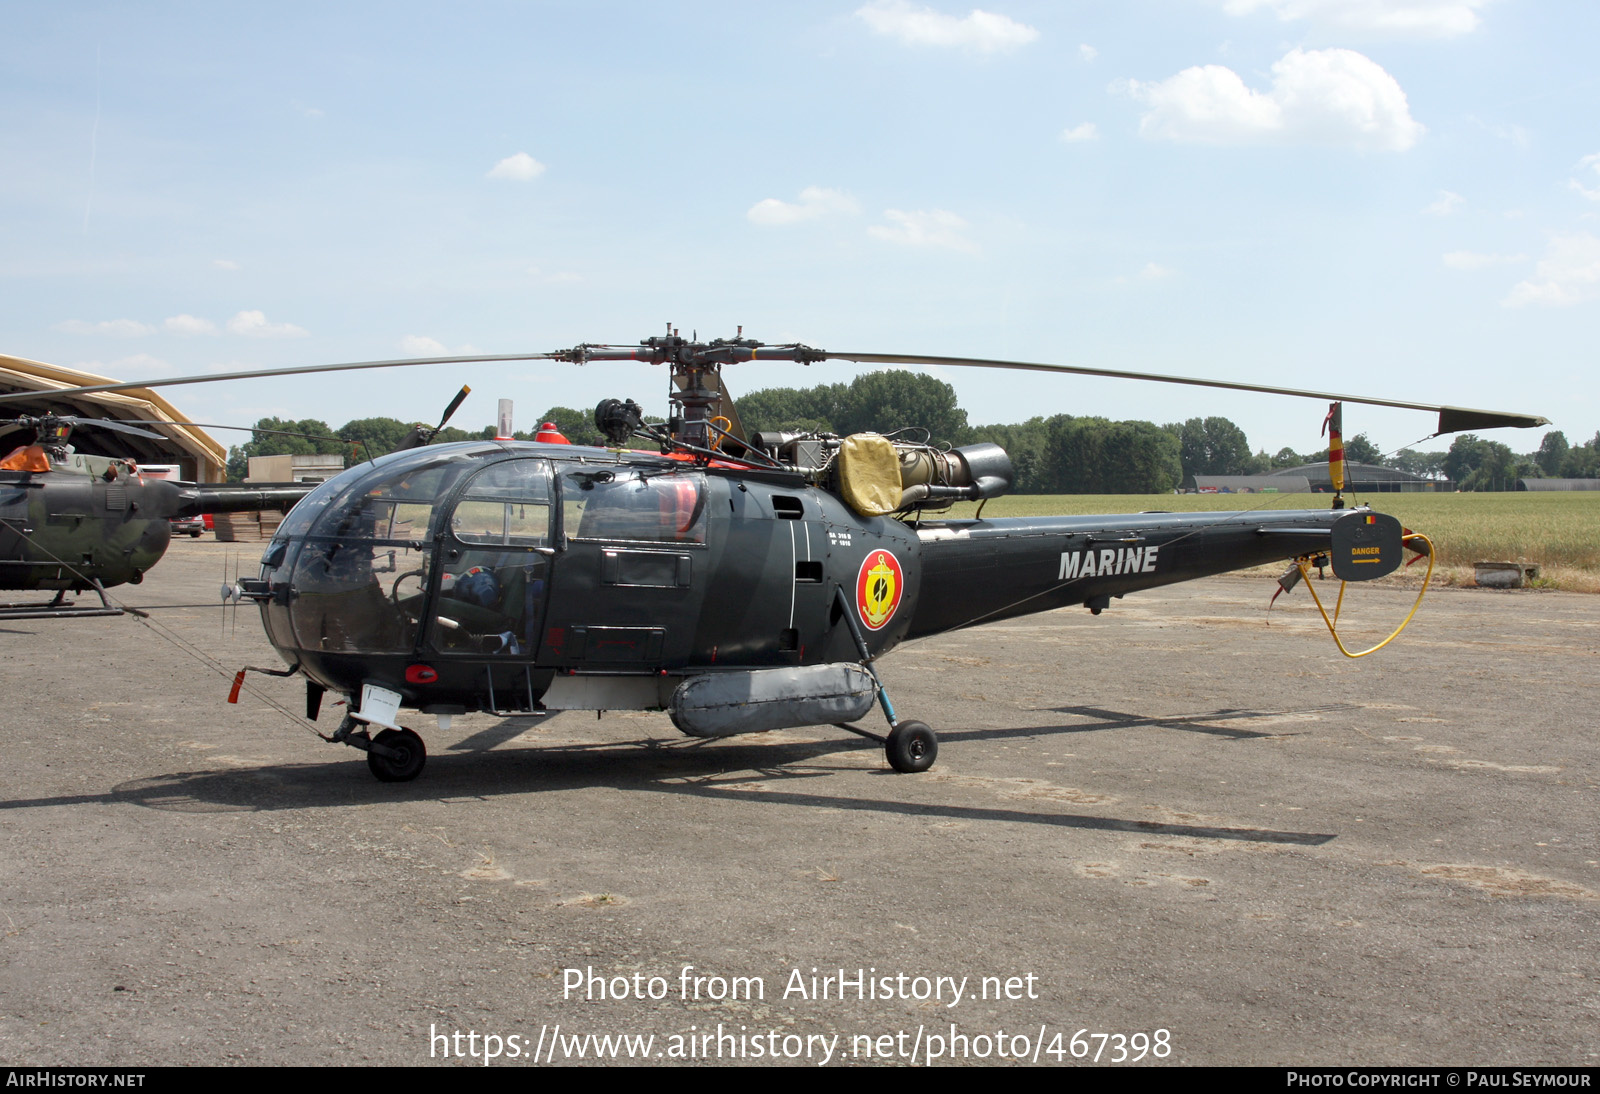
(741, 581)
(73, 522)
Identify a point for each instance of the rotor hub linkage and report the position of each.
(680, 352)
(696, 370)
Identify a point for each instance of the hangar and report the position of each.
(1558, 484)
(1359, 478)
(199, 457)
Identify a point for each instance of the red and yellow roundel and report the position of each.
(878, 589)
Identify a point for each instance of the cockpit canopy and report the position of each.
(356, 558)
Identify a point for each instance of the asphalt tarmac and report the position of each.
(1183, 832)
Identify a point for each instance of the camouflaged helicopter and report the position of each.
(741, 581)
(74, 522)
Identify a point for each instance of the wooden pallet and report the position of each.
(245, 527)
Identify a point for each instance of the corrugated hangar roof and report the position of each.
(1366, 472)
(1252, 484)
(202, 458)
(1558, 484)
(1309, 477)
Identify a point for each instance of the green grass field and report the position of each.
(1558, 532)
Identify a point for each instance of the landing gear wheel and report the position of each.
(911, 747)
(403, 767)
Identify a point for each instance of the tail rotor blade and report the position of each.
(455, 404)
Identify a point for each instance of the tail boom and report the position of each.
(987, 570)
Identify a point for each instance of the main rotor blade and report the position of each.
(1452, 419)
(174, 381)
(114, 426)
(240, 429)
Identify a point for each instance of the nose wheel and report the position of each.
(396, 756)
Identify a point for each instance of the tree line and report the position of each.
(1059, 454)
(1066, 454)
(369, 438)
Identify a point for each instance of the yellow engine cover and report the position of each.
(869, 474)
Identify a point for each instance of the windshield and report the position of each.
(358, 549)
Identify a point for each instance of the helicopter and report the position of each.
(742, 582)
(72, 522)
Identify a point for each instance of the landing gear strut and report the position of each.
(911, 746)
(393, 756)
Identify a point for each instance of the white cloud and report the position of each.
(1517, 135)
(981, 30)
(520, 168)
(814, 202)
(1447, 203)
(189, 324)
(253, 324)
(1088, 52)
(1472, 260)
(1327, 96)
(115, 328)
(418, 345)
(1388, 18)
(138, 366)
(1083, 132)
(1569, 273)
(225, 264)
(1587, 161)
(1152, 271)
(561, 277)
(935, 228)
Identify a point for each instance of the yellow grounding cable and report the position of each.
(1333, 624)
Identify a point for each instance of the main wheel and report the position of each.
(911, 747)
(403, 767)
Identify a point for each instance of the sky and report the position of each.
(1398, 199)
